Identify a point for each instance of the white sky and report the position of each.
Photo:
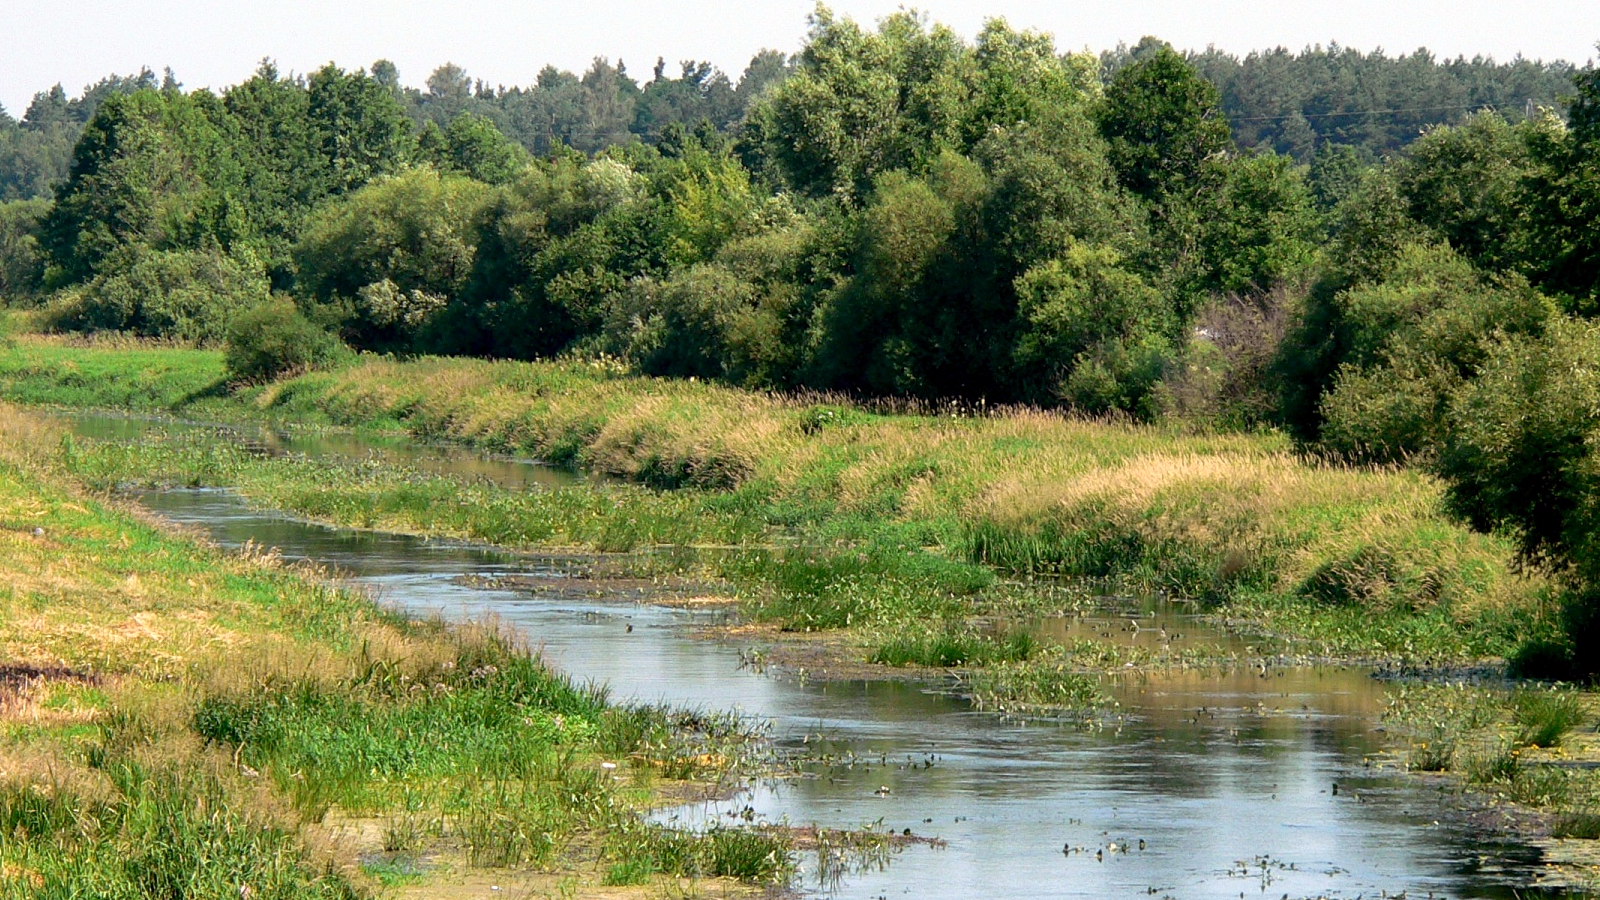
(214, 43)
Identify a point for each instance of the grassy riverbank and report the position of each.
(180, 721)
(1528, 759)
(887, 517)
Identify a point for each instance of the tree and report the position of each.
(154, 170)
(1465, 183)
(21, 263)
(860, 104)
(277, 160)
(1520, 458)
(391, 256)
(1564, 201)
(1163, 123)
(471, 145)
(700, 94)
(356, 130)
(1258, 226)
(1407, 345)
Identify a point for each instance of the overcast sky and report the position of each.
(214, 44)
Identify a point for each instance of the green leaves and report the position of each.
(1163, 122)
(403, 237)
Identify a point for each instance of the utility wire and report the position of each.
(1365, 112)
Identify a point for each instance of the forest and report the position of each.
(1392, 259)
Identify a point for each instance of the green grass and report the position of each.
(1050, 685)
(186, 717)
(745, 853)
(139, 831)
(1544, 716)
(882, 516)
(947, 648)
(1497, 742)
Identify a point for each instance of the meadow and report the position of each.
(845, 515)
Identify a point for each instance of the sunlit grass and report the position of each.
(176, 720)
(1362, 562)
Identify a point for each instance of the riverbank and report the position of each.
(205, 459)
(882, 518)
(1525, 759)
(181, 720)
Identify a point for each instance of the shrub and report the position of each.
(274, 339)
(21, 262)
(396, 251)
(1521, 449)
(682, 326)
(1403, 345)
(1095, 332)
(189, 295)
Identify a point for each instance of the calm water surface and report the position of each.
(1227, 780)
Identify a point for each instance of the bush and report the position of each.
(1095, 333)
(189, 295)
(21, 262)
(273, 340)
(396, 251)
(1397, 349)
(1521, 448)
(1521, 458)
(702, 322)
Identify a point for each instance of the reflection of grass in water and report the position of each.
(1582, 825)
(841, 854)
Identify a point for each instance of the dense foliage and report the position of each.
(1288, 241)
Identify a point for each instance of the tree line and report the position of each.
(897, 211)
(1293, 103)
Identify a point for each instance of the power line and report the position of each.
(1364, 112)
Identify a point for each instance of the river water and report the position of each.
(1205, 785)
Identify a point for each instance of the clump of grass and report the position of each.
(818, 589)
(1441, 719)
(131, 829)
(750, 854)
(394, 872)
(948, 648)
(1496, 763)
(1543, 716)
(1436, 755)
(1581, 825)
(1033, 689)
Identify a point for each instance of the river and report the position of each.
(1203, 786)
